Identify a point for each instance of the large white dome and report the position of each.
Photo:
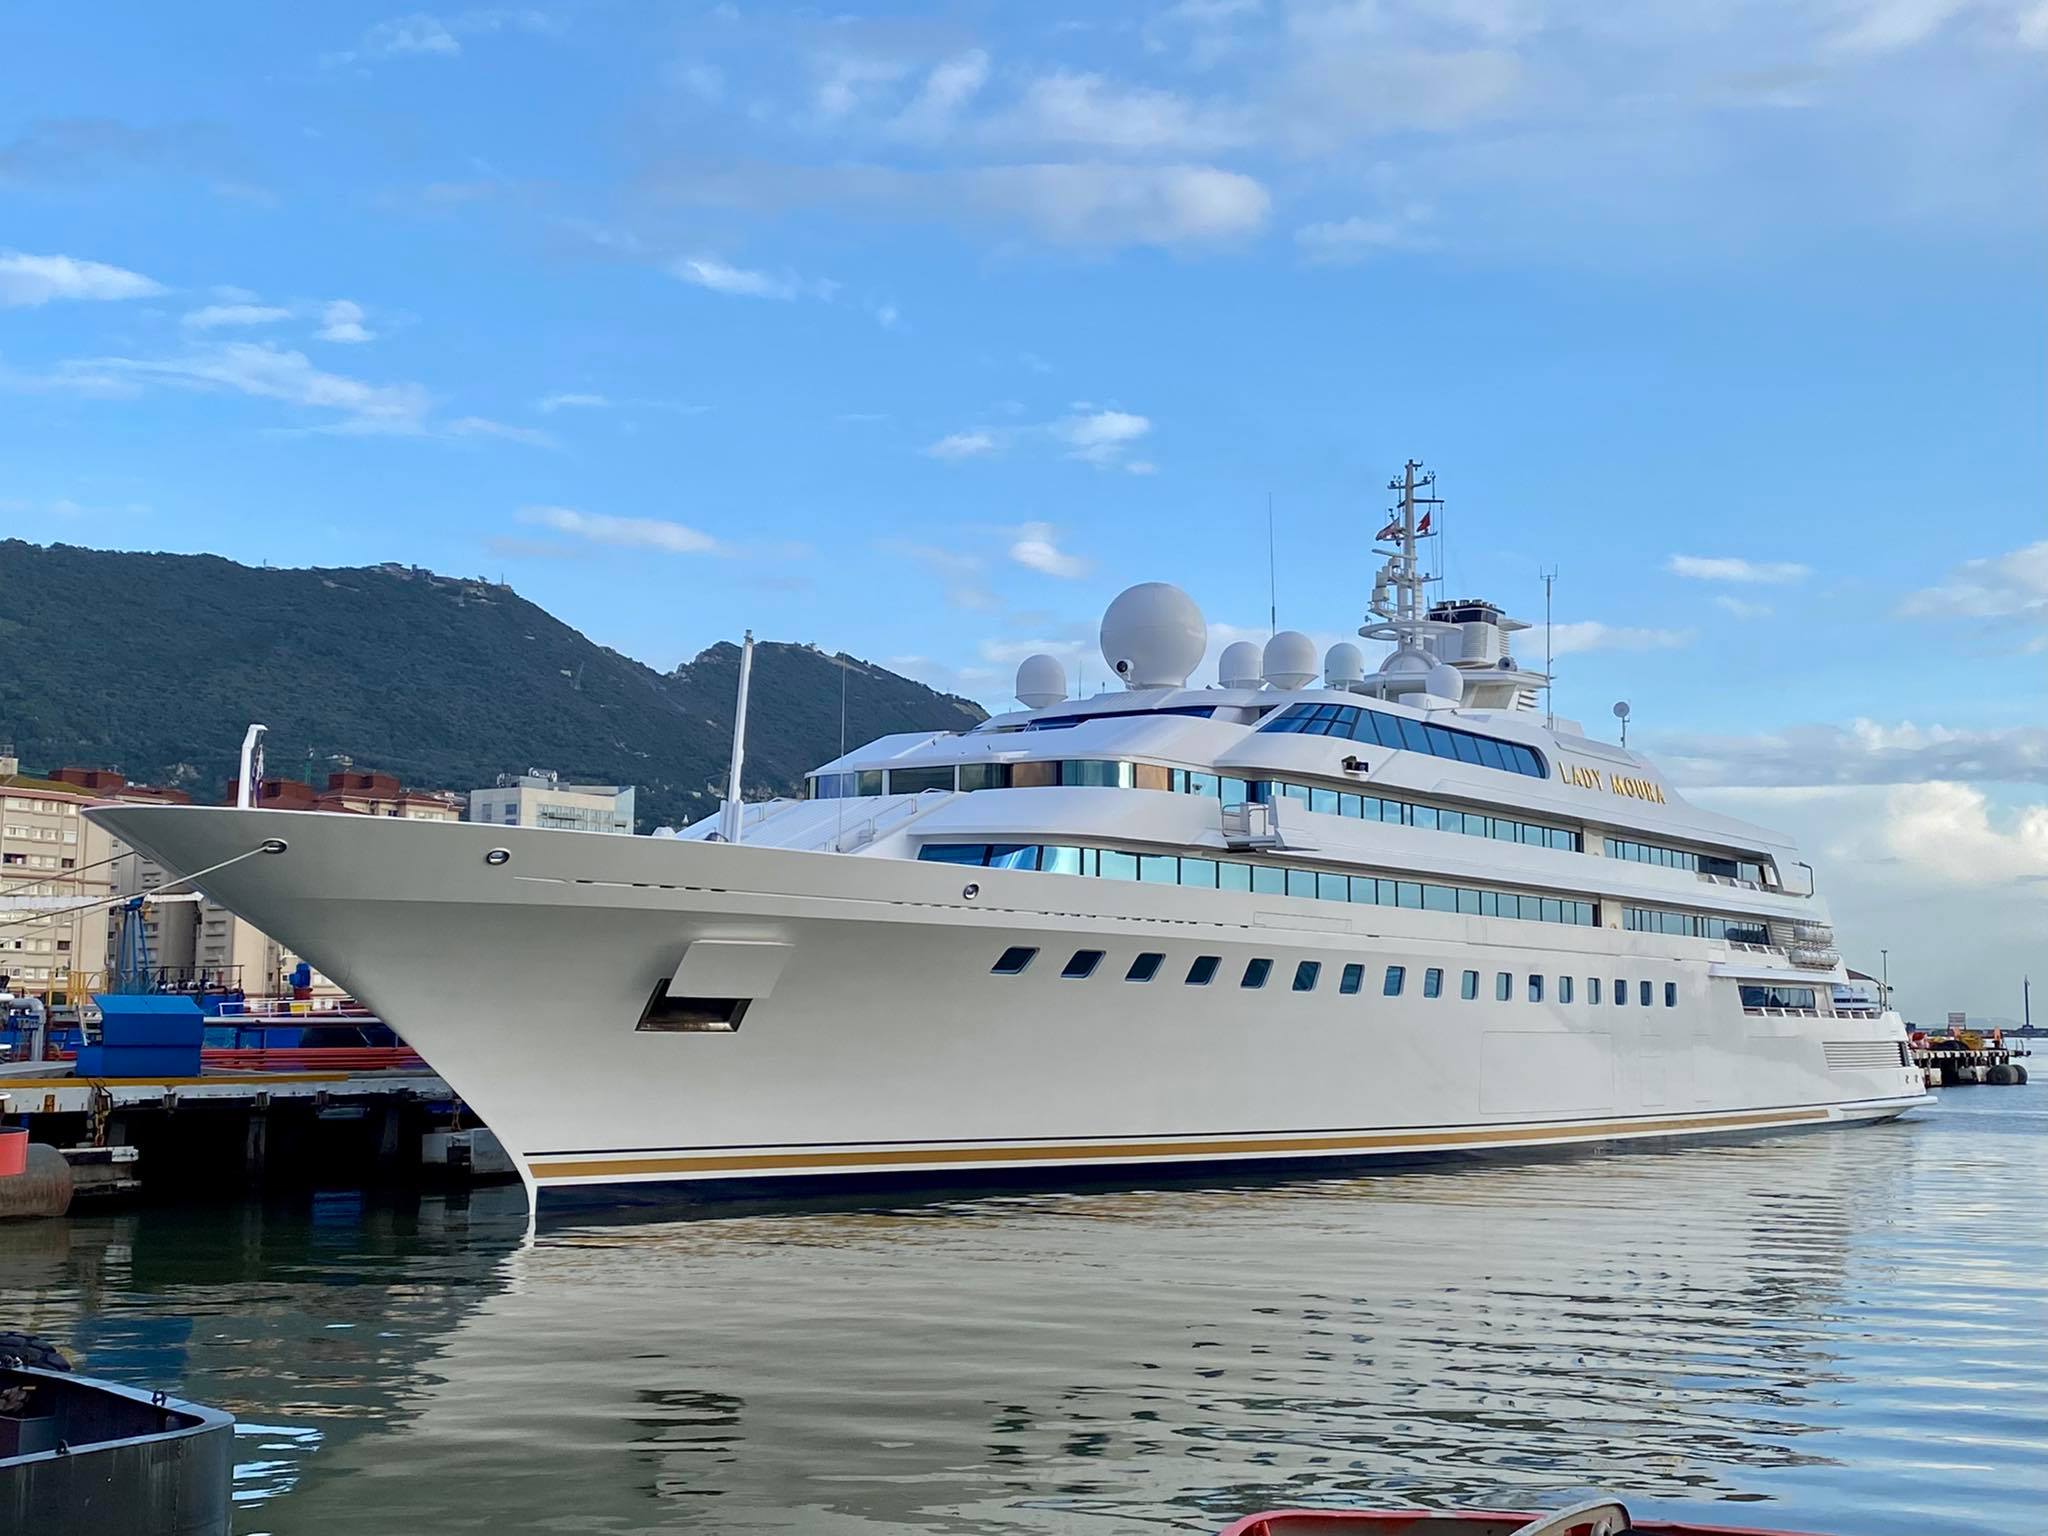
(1290, 660)
(1240, 665)
(1343, 663)
(1153, 636)
(1041, 681)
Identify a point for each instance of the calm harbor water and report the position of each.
(1838, 1332)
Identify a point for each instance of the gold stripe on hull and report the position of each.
(910, 1157)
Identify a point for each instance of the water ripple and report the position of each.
(1846, 1330)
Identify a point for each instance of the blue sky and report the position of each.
(920, 333)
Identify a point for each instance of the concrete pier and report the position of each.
(190, 1138)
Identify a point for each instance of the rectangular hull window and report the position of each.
(666, 1015)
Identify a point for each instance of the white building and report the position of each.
(538, 798)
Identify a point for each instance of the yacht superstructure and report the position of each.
(1304, 914)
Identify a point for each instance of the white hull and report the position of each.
(887, 1048)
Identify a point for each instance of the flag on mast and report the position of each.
(1422, 527)
(1392, 530)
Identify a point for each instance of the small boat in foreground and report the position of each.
(1596, 1517)
(82, 1457)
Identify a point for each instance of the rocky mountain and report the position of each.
(155, 663)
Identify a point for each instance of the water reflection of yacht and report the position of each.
(1308, 913)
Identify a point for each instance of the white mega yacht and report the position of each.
(1303, 915)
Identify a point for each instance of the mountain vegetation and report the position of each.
(154, 664)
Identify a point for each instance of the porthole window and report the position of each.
(1145, 967)
(1397, 975)
(1255, 973)
(1203, 971)
(1352, 979)
(1306, 975)
(1013, 960)
(1081, 965)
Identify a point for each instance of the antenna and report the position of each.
(1549, 682)
(839, 835)
(1272, 579)
(734, 811)
(1621, 714)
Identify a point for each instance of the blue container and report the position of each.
(147, 1019)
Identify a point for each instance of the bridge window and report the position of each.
(1351, 980)
(1643, 993)
(1203, 971)
(1503, 987)
(1432, 982)
(1255, 973)
(1620, 993)
(1013, 960)
(911, 781)
(1145, 967)
(1306, 974)
(1399, 733)
(1468, 986)
(1535, 988)
(1670, 994)
(1593, 989)
(1397, 975)
(1081, 964)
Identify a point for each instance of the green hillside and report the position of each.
(153, 664)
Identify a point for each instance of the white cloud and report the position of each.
(1734, 568)
(1592, 635)
(1887, 26)
(706, 82)
(849, 81)
(421, 35)
(627, 532)
(960, 571)
(1091, 112)
(2009, 586)
(1947, 830)
(1141, 467)
(1863, 752)
(1037, 548)
(1358, 237)
(1742, 607)
(342, 320)
(483, 426)
(962, 445)
(1101, 437)
(30, 281)
(1098, 203)
(547, 405)
(742, 282)
(214, 316)
(951, 84)
(273, 373)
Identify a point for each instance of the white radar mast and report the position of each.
(1451, 653)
